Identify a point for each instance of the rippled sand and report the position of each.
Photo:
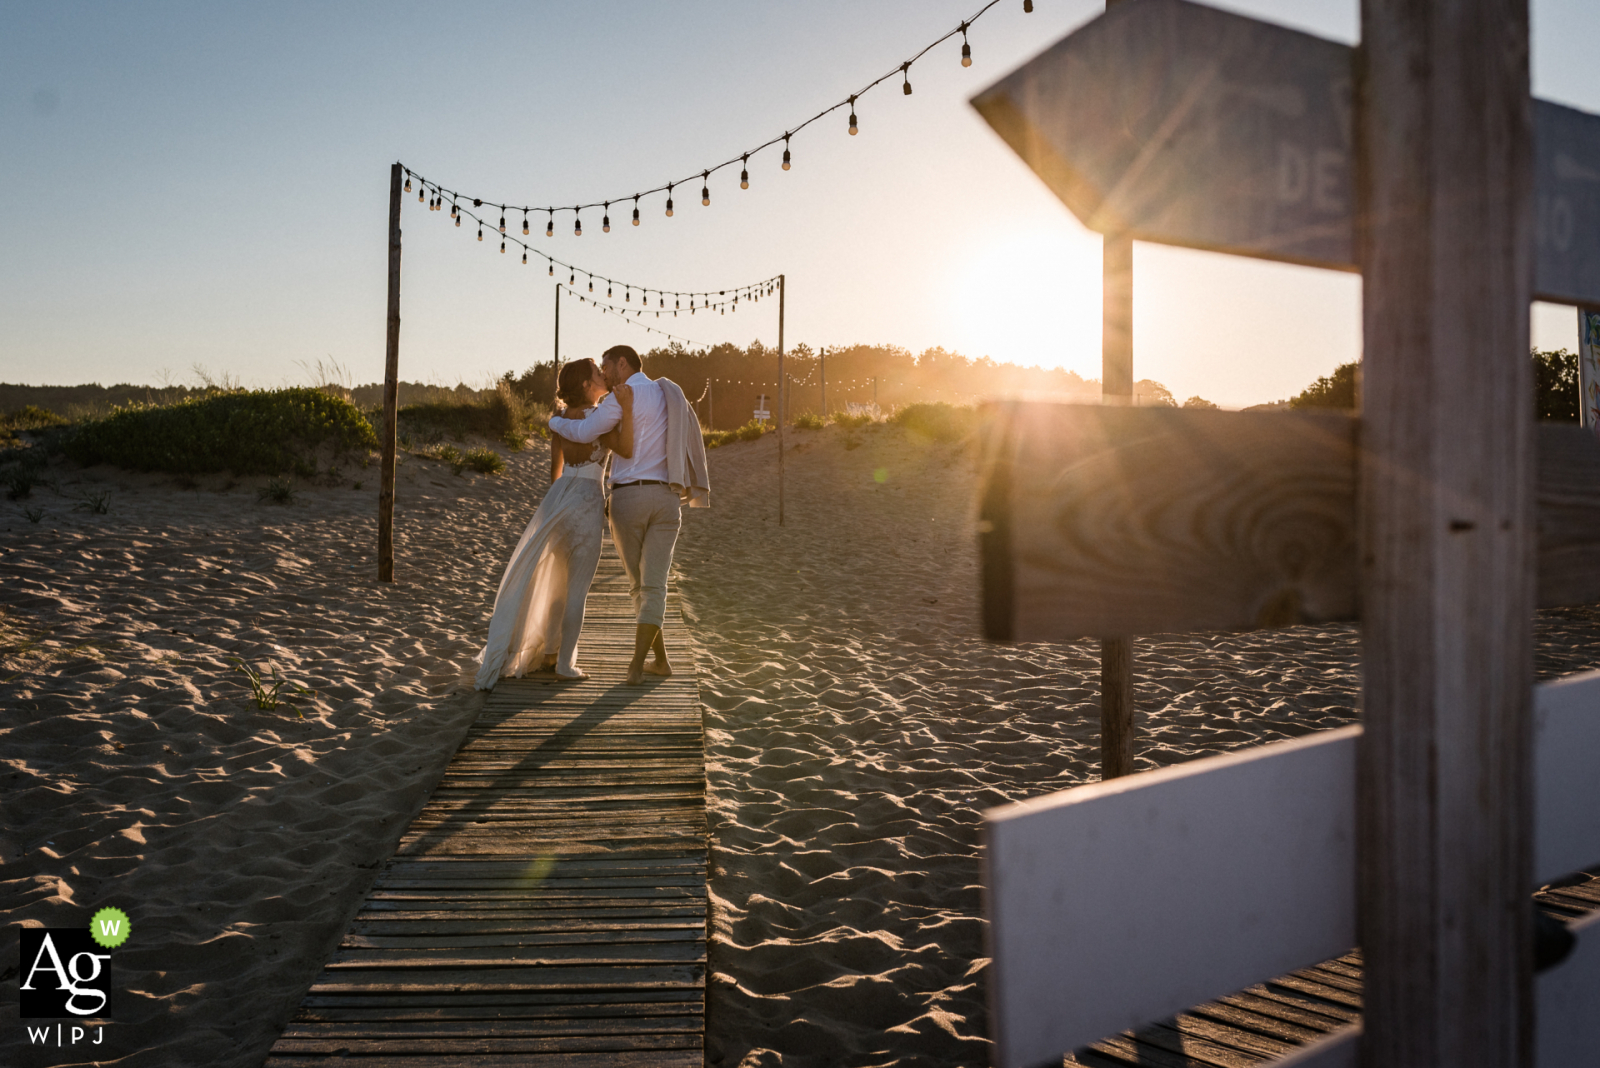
(136, 772)
(857, 728)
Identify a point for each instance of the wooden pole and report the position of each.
(555, 356)
(782, 293)
(1116, 387)
(823, 371)
(1444, 149)
(391, 389)
(711, 404)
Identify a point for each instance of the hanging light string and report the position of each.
(901, 70)
(631, 320)
(695, 298)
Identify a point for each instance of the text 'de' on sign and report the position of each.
(1177, 123)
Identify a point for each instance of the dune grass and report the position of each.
(248, 432)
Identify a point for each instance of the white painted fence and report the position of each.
(1119, 903)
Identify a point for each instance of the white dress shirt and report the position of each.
(649, 460)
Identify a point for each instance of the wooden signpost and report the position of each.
(391, 389)
(1167, 121)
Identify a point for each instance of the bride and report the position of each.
(539, 609)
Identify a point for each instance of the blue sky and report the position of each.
(207, 184)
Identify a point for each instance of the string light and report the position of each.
(577, 226)
(524, 222)
(591, 283)
(480, 232)
(408, 181)
(1027, 7)
(502, 246)
(550, 224)
(524, 257)
(605, 222)
(705, 190)
(502, 218)
(636, 211)
(743, 159)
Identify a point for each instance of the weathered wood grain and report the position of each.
(1098, 522)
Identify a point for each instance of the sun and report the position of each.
(1032, 297)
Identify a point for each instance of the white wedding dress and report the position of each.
(539, 609)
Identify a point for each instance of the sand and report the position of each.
(857, 728)
(138, 773)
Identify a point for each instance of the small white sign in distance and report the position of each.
(1184, 125)
(1118, 903)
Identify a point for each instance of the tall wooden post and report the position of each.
(782, 292)
(391, 389)
(1116, 387)
(555, 355)
(1443, 135)
(711, 404)
(823, 372)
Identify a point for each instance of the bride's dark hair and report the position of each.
(574, 376)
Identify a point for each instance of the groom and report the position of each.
(648, 489)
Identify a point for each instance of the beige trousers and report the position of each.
(644, 527)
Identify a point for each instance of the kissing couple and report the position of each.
(649, 433)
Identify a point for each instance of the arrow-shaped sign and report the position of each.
(1185, 125)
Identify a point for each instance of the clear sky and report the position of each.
(199, 183)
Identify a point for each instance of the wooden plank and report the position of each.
(548, 904)
(689, 1058)
(1448, 537)
(1244, 868)
(1165, 520)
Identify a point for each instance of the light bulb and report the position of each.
(458, 222)
(605, 220)
(628, 296)
(502, 222)
(669, 201)
(636, 211)
(853, 128)
(1027, 7)
(591, 283)
(552, 268)
(785, 151)
(408, 181)
(577, 226)
(705, 190)
(550, 225)
(524, 257)
(966, 54)
(608, 290)
(744, 174)
(524, 224)
(453, 210)
(480, 231)
(905, 70)
(573, 280)
(502, 246)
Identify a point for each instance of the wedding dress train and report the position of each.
(539, 608)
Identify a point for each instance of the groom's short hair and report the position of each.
(624, 352)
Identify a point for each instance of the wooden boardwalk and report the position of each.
(1271, 1020)
(548, 904)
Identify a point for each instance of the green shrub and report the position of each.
(447, 454)
(850, 422)
(33, 417)
(809, 420)
(751, 430)
(278, 491)
(248, 432)
(939, 421)
(484, 461)
(503, 415)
